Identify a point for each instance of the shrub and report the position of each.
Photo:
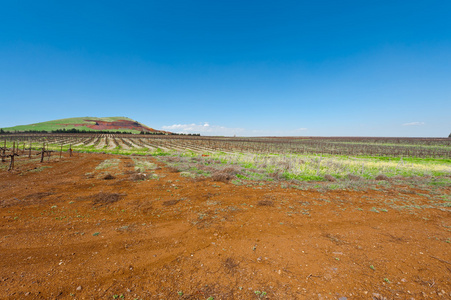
(221, 176)
(173, 169)
(353, 177)
(226, 174)
(138, 177)
(381, 177)
(330, 178)
(231, 170)
(276, 175)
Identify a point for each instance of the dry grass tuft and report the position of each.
(276, 175)
(207, 168)
(170, 202)
(231, 170)
(30, 199)
(352, 177)
(334, 238)
(222, 177)
(265, 203)
(330, 178)
(172, 159)
(138, 177)
(226, 174)
(230, 265)
(173, 170)
(102, 198)
(108, 176)
(382, 177)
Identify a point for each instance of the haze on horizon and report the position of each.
(245, 68)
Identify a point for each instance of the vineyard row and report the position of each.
(117, 143)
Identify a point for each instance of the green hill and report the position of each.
(112, 124)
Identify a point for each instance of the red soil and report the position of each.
(116, 125)
(66, 232)
(119, 124)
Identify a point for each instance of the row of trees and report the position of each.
(72, 130)
(169, 133)
(75, 130)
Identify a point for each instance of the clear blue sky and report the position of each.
(326, 68)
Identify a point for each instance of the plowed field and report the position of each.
(72, 230)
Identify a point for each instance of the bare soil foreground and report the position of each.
(72, 230)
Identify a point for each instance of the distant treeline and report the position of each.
(74, 130)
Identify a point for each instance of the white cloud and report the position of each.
(413, 124)
(208, 129)
(203, 129)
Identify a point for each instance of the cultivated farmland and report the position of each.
(114, 216)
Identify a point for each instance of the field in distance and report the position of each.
(305, 159)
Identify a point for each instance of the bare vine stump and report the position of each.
(3, 149)
(12, 155)
(42, 153)
(11, 164)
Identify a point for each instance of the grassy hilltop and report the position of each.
(122, 124)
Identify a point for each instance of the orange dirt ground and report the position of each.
(68, 233)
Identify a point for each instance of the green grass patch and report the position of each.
(142, 164)
(108, 164)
